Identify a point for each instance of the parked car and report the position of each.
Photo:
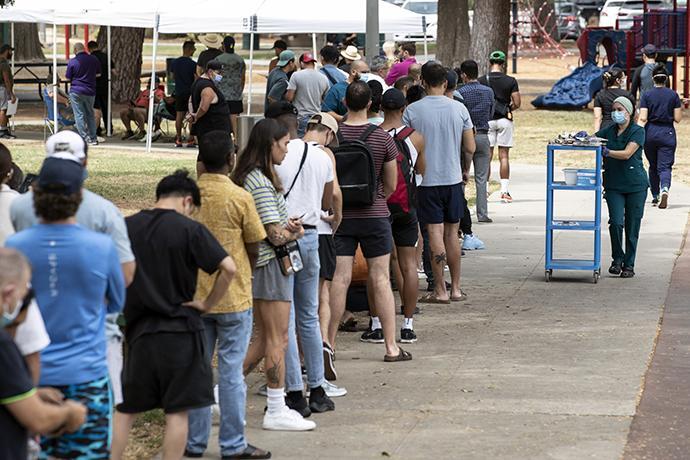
(624, 11)
(427, 8)
(569, 20)
(589, 8)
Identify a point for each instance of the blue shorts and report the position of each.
(440, 204)
(92, 441)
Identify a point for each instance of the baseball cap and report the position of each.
(5, 47)
(66, 145)
(229, 41)
(60, 176)
(277, 109)
(214, 64)
(393, 99)
(306, 57)
(285, 57)
(497, 56)
(452, 80)
(280, 44)
(326, 119)
(648, 50)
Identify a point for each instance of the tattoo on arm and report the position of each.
(273, 373)
(276, 234)
(440, 258)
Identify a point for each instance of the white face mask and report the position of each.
(9, 317)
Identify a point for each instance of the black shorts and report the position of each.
(327, 257)
(100, 102)
(236, 107)
(181, 102)
(441, 204)
(405, 229)
(374, 235)
(168, 370)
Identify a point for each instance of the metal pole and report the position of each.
(109, 117)
(55, 80)
(372, 28)
(12, 44)
(251, 71)
(514, 34)
(313, 45)
(426, 44)
(152, 83)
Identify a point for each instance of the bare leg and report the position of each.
(233, 124)
(122, 424)
(324, 308)
(179, 121)
(410, 287)
(371, 299)
(98, 115)
(4, 120)
(438, 259)
(503, 156)
(175, 438)
(276, 316)
(139, 116)
(257, 348)
(379, 278)
(491, 158)
(452, 244)
(339, 286)
(126, 119)
(397, 274)
(420, 248)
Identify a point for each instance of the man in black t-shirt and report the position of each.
(213, 43)
(183, 73)
(506, 100)
(165, 365)
(101, 103)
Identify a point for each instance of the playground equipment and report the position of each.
(667, 29)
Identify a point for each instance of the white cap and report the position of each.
(66, 145)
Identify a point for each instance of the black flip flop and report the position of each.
(402, 356)
(250, 452)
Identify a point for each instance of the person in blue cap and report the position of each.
(659, 109)
(625, 185)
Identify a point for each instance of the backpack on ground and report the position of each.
(354, 164)
(404, 199)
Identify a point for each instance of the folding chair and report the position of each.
(49, 119)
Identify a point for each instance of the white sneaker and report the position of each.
(287, 420)
(332, 391)
(471, 242)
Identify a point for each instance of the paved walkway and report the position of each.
(523, 370)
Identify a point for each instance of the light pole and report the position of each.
(372, 40)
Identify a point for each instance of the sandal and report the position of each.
(348, 326)
(402, 356)
(462, 297)
(249, 452)
(431, 298)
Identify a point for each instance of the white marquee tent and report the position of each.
(180, 16)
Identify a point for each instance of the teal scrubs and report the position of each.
(625, 190)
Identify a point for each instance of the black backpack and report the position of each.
(354, 164)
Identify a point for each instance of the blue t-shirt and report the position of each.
(77, 279)
(184, 70)
(82, 70)
(334, 100)
(660, 103)
(333, 74)
(441, 120)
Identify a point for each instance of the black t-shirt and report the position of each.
(605, 98)
(170, 249)
(15, 385)
(206, 56)
(102, 81)
(503, 86)
(218, 115)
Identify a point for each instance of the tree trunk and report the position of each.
(453, 33)
(27, 46)
(126, 48)
(491, 30)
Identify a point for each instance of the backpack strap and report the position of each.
(404, 133)
(367, 132)
(330, 77)
(301, 164)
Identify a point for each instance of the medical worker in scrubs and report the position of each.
(625, 185)
(659, 108)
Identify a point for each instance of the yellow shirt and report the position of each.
(229, 213)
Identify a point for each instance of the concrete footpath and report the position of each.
(522, 370)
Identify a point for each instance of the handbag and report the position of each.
(289, 258)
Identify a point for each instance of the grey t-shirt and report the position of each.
(276, 86)
(441, 121)
(310, 86)
(233, 69)
(646, 80)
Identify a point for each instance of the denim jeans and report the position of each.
(82, 106)
(302, 122)
(305, 307)
(230, 332)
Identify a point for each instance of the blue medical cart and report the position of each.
(552, 224)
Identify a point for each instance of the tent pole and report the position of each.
(251, 70)
(55, 81)
(109, 117)
(426, 46)
(152, 83)
(313, 45)
(12, 44)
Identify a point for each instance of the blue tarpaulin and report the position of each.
(573, 91)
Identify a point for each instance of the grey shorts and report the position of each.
(270, 283)
(4, 100)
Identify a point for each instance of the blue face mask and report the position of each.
(217, 78)
(618, 117)
(8, 318)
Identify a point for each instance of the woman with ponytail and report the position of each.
(614, 87)
(659, 108)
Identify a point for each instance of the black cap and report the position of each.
(214, 65)
(452, 79)
(393, 99)
(280, 44)
(277, 109)
(60, 176)
(5, 47)
(229, 41)
(649, 50)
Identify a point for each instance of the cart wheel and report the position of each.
(596, 276)
(548, 275)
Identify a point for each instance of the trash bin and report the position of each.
(245, 123)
